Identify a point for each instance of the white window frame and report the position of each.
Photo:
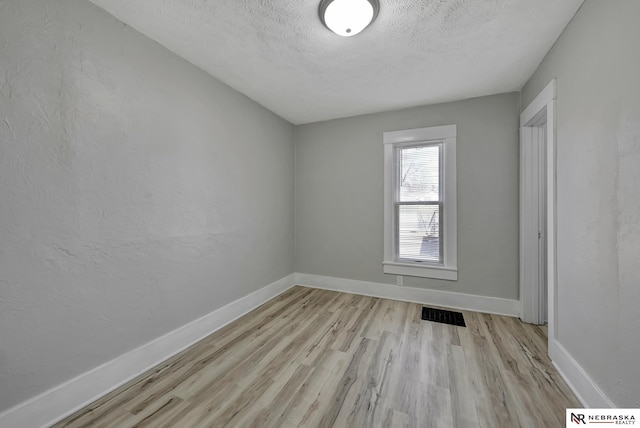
(448, 269)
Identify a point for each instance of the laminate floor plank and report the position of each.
(319, 358)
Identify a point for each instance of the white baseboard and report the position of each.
(61, 401)
(585, 389)
(469, 302)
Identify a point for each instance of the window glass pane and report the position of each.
(419, 232)
(419, 169)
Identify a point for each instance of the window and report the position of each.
(420, 223)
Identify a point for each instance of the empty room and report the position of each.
(319, 213)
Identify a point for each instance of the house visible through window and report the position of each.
(420, 202)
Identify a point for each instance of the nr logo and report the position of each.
(577, 418)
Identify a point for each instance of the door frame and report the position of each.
(541, 112)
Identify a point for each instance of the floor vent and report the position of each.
(442, 316)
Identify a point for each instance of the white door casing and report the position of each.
(537, 216)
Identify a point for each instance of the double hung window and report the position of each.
(420, 202)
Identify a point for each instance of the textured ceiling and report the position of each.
(278, 53)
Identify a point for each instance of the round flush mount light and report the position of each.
(348, 17)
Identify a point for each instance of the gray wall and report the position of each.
(339, 194)
(597, 63)
(137, 193)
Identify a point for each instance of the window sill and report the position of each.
(436, 272)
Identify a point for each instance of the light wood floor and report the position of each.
(316, 358)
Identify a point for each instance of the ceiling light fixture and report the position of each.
(348, 17)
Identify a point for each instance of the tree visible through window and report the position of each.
(419, 202)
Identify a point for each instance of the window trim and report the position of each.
(447, 134)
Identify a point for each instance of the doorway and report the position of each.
(537, 210)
